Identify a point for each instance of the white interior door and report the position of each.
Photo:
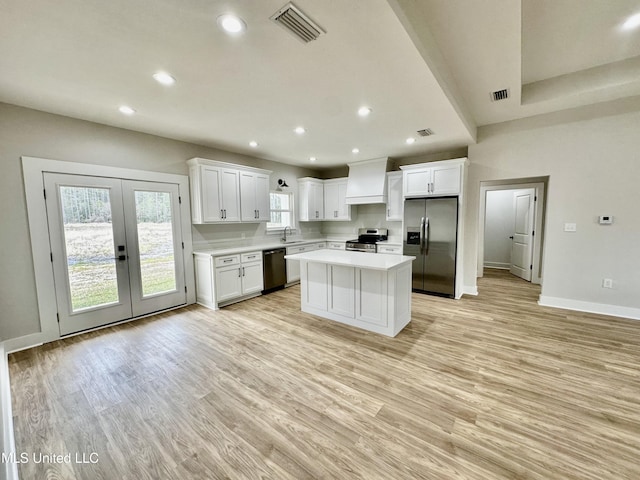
(116, 249)
(522, 240)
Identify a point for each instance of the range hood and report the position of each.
(367, 182)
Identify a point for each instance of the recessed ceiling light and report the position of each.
(126, 110)
(164, 78)
(410, 140)
(364, 111)
(355, 150)
(632, 22)
(231, 24)
(253, 143)
(312, 159)
(299, 130)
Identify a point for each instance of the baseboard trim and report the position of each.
(498, 265)
(8, 470)
(22, 343)
(590, 307)
(470, 290)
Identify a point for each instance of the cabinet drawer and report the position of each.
(318, 246)
(227, 260)
(251, 257)
(336, 245)
(292, 250)
(391, 249)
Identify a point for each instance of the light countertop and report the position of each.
(373, 261)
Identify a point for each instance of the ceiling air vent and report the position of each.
(425, 133)
(500, 95)
(292, 18)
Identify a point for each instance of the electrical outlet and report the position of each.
(570, 227)
(607, 283)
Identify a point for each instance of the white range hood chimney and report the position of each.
(367, 182)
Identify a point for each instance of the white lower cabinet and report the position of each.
(293, 266)
(316, 295)
(341, 286)
(375, 300)
(228, 283)
(229, 278)
(371, 297)
(390, 249)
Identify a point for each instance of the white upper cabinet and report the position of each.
(335, 204)
(434, 178)
(229, 188)
(254, 197)
(395, 200)
(311, 193)
(224, 192)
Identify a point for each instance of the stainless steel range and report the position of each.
(367, 238)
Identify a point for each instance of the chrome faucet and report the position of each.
(284, 234)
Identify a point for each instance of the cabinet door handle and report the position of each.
(239, 272)
(221, 213)
(243, 271)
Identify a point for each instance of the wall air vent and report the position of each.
(425, 132)
(500, 95)
(296, 22)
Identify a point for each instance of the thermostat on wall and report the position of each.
(605, 220)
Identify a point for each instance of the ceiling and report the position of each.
(416, 64)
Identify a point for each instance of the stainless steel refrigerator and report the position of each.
(430, 235)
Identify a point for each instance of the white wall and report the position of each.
(499, 224)
(25, 132)
(594, 166)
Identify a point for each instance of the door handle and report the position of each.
(243, 271)
(511, 237)
(239, 272)
(122, 257)
(426, 234)
(421, 234)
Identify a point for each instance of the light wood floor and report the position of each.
(487, 387)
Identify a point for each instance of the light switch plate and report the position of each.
(570, 227)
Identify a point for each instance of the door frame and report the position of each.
(540, 184)
(33, 169)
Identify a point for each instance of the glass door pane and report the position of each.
(156, 242)
(89, 246)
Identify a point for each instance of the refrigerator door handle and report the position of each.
(422, 235)
(426, 235)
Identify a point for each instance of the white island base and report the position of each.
(364, 290)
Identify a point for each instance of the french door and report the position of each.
(116, 248)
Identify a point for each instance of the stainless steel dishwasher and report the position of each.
(274, 269)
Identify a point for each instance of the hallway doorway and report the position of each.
(511, 227)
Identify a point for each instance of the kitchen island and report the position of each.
(365, 290)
